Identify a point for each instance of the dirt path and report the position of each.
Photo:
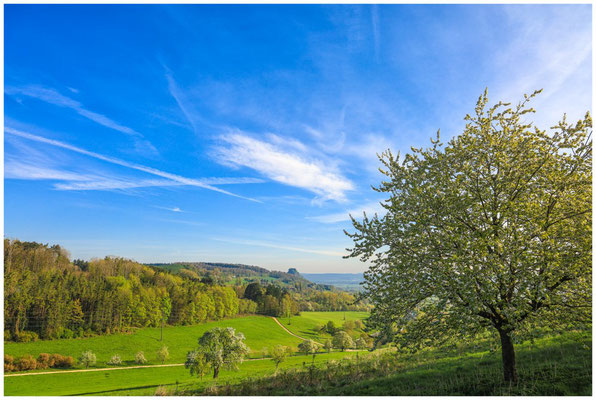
(109, 369)
(291, 333)
(145, 366)
(300, 337)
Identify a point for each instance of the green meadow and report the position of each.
(557, 365)
(260, 332)
(307, 324)
(550, 366)
(144, 381)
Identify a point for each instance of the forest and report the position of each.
(49, 297)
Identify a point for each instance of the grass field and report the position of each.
(260, 332)
(306, 324)
(141, 382)
(552, 366)
(560, 365)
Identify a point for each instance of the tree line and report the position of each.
(47, 296)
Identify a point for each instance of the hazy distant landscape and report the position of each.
(350, 282)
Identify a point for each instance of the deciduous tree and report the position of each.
(218, 348)
(279, 354)
(341, 340)
(492, 230)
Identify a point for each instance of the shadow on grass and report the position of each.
(105, 392)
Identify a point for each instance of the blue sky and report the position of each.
(247, 134)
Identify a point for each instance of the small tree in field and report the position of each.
(309, 346)
(279, 354)
(219, 347)
(330, 328)
(163, 354)
(491, 231)
(361, 344)
(196, 362)
(342, 341)
(87, 359)
(115, 360)
(328, 345)
(140, 358)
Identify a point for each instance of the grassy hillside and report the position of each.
(560, 365)
(260, 332)
(307, 323)
(142, 381)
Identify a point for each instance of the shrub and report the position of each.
(25, 336)
(359, 324)
(163, 354)
(26, 363)
(361, 343)
(60, 361)
(43, 361)
(7, 336)
(330, 328)
(52, 360)
(115, 360)
(65, 333)
(9, 363)
(140, 358)
(349, 325)
(161, 391)
(87, 358)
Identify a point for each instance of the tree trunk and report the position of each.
(215, 372)
(508, 353)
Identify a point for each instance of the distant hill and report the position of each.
(225, 273)
(343, 281)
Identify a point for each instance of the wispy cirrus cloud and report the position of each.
(374, 19)
(172, 209)
(258, 243)
(123, 184)
(52, 96)
(356, 212)
(554, 53)
(21, 170)
(185, 103)
(283, 165)
(149, 170)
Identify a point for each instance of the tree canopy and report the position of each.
(491, 230)
(218, 347)
(341, 340)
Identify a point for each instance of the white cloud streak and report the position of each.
(374, 16)
(329, 253)
(20, 170)
(120, 184)
(178, 96)
(369, 209)
(112, 160)
(240, 150)
(53, 97)
(552, 52)
(172, 209)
